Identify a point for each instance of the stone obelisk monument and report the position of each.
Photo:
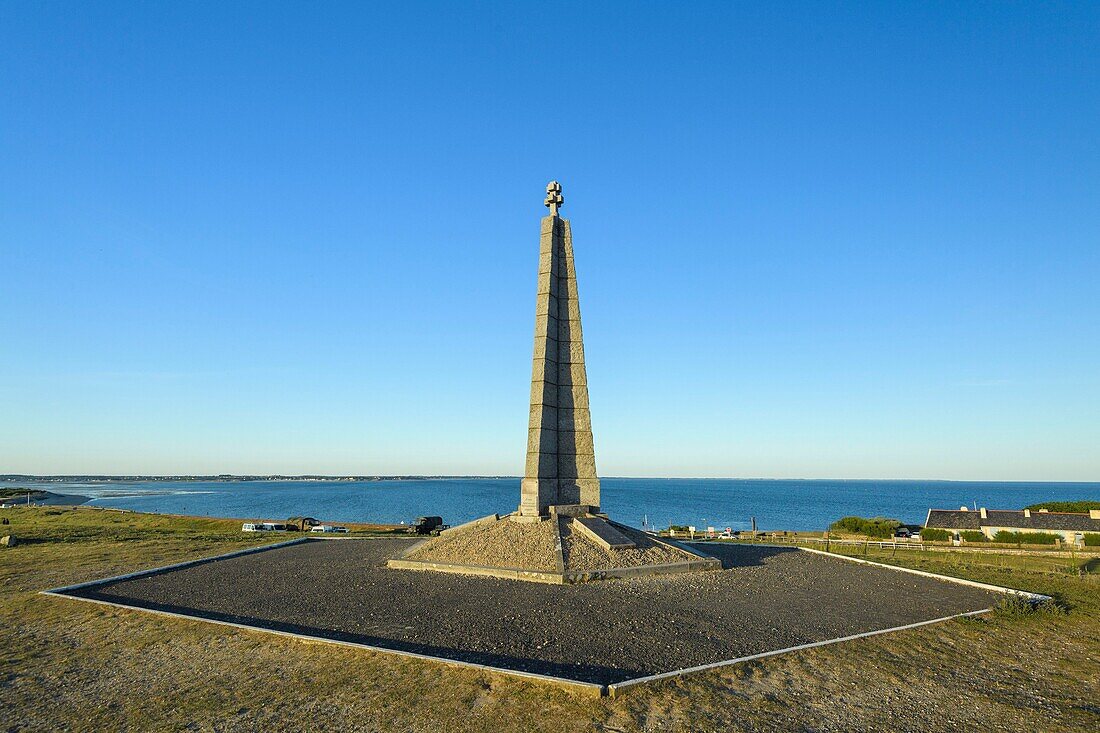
(561, 461)
(559, 534)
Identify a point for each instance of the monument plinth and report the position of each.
(558, 534)
(561, 462)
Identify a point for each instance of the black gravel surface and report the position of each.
(603, 632)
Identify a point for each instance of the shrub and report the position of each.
(1026, 538)
(1017, 607)
(1092, 539)
(973, 535)
(880, 527)
(1076, 507)
(934, 535)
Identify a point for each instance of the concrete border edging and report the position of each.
(616, 688)
(1035, 597)
(65, 590)
(591, 687)
(593, 535)
(569, 577)
(174, 566)
(538, 576)
(612, 689)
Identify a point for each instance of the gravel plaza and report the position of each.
(766, 599)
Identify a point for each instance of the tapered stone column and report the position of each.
(561, 462)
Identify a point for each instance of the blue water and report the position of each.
(776, 504)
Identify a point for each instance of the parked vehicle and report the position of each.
(263, 527)
(427, 525)
(329, 528)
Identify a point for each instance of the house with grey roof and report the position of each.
(1070, 527)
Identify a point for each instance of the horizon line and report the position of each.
(414, 476)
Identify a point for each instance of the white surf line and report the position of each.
(617, 687)
(591, 687)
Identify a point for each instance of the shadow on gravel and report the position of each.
(581, 672)
(740, 556)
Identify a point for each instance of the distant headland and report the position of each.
(90, 478)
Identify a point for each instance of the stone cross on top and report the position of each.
(553, 197)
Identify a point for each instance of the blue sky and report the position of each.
(813, 240)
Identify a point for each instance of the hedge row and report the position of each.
(1026, 538)
(874, 527)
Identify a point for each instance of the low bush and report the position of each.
(1019, 607)
(1026, 538)
(879, 527)
(1092, 539)
(934, 535)
(973, 535)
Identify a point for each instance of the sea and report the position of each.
(776, 504)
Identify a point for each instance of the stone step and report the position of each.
(603, 533)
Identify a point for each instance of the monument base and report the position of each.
(570, 546)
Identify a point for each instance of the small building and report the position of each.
(1070, 527)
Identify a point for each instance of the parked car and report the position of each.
(427, 525)
(329, 528)
(263, 527)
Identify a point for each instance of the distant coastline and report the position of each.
(101, 479)
(797, 505)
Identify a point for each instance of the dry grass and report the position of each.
(68, 665)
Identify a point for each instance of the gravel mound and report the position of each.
(500, 544)
(581, 553)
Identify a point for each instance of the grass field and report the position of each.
(68, 665)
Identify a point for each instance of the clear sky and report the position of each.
(813, 240)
